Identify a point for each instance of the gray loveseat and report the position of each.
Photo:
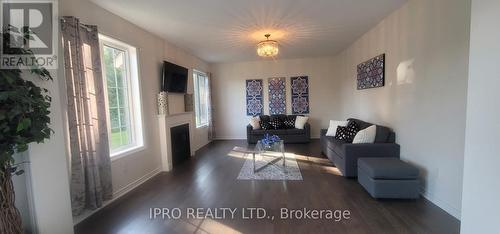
(288, 134)
(345, 155)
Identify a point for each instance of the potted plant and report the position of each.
(24, 118)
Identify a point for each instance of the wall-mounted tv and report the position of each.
(174, 78)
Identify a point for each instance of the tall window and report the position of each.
(201, 98)
(119, 65)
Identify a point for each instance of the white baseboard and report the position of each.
(135, 184)
(231, 138)
(450, 209)
(244, 138)
(117, 194)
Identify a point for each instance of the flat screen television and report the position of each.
(174, 78)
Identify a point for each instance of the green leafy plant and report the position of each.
(24, 119)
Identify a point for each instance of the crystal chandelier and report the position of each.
(267, 48)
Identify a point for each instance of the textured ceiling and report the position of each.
(228, 30)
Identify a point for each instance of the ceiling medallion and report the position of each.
(267, 48)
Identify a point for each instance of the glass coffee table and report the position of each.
(269, 154)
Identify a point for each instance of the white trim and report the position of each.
(196, 98)
(202, 126)
(126, 152)
(134, 96)
(231, 138)
(129, 187)
(166, 122)
(122, 191)
(245, 137)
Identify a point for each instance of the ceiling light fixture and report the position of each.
(267, 48)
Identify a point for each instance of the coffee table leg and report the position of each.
(284, 160)
(253, 154)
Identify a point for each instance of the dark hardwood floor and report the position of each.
(209, 181)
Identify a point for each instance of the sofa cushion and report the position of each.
(290, 121)
(278, 121)
(348, 133)
(271, 132)
(276, 124)
(366, 135)
(334, 124)
(300, 121)
(361, 124)
(264, 122)
(387, 168)
(335, 144)
(383, 133)
(255, 122)
(329, 142)
(265, 125)
(341, 133)
(264, 117)
(339, 147)
(295, 131)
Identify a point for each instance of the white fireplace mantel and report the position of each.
(165, 123)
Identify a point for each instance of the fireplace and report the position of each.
(175, 138)
(181, 147)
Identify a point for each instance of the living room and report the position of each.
(253, 116)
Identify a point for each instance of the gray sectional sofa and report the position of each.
(345, 155)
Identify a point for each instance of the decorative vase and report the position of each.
(163, 103)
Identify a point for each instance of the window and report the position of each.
(120, 73)
(201, 98)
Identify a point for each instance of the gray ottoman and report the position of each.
(388, 178)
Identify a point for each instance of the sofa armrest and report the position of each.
(307, 127)
(249, 129)
(372, 150)
(323, 132)
(369, 150)
(378, 150)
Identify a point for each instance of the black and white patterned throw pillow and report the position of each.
(265, 125)
(290, 122)
(276, 123)
(347, 133)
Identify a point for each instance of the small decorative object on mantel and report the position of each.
(371, 74)
(188, 102)
(163, 103)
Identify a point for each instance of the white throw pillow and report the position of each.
(366, 135)
(300, 121)
(255, 122)
(332, 129)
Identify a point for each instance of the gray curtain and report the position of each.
(88, 134)
(211, 110)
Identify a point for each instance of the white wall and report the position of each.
(133, 169)
(176, 101)
(229, 91)
(424, 99)
(480, 204)
(49, 173)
